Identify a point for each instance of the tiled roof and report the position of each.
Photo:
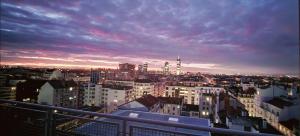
(170, 100)
(148, 100)
(280, 103)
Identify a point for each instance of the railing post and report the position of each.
(124, 127)
(46, 124)
(49, 126)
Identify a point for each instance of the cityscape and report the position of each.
(150, 68)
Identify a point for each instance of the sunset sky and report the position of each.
(223, 36)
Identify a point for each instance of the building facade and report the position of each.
(59, 93)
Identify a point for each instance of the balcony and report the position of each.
(19, 118)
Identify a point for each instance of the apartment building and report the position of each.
(59, 93)
(89, 95)
(278, 110)
(190, 94)
(278, 106)
(112, 96)
(170, 105)
(246, 97)
(146, 86)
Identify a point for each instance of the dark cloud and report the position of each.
(234, 35)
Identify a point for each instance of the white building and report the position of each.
(279, 110)
(145, 86)
(59, 93)
(274, 104)
(112, 96)
(178, 66)
(89, 95)
(190, 94)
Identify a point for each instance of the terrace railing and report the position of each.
(28, 119)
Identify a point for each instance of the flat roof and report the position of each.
(280, 103)
(94, 128)
(117, 87)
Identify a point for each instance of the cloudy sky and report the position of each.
(228, 36)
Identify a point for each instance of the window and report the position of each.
(173, 108)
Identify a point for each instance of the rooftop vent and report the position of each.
(133, 115)
(173, 119)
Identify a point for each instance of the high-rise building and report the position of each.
(95, 76)
(178, 66)
(126, 71)
(145, 67)
(166, 68)
(126, 67)
(140, 68)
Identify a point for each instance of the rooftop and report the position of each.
(121, 122)
(250, 90)
(170, 100)
(117, 87)
(143, 81)
(280, 103)
(148, 100)
(57, 84)
(150, 116)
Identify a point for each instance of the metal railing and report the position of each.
(35, 119)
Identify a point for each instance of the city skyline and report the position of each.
(216, 37)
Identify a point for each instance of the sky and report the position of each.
(224, 36)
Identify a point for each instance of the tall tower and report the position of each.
(178, 66)
(166, 68)
(145, 67)
(95, 76)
